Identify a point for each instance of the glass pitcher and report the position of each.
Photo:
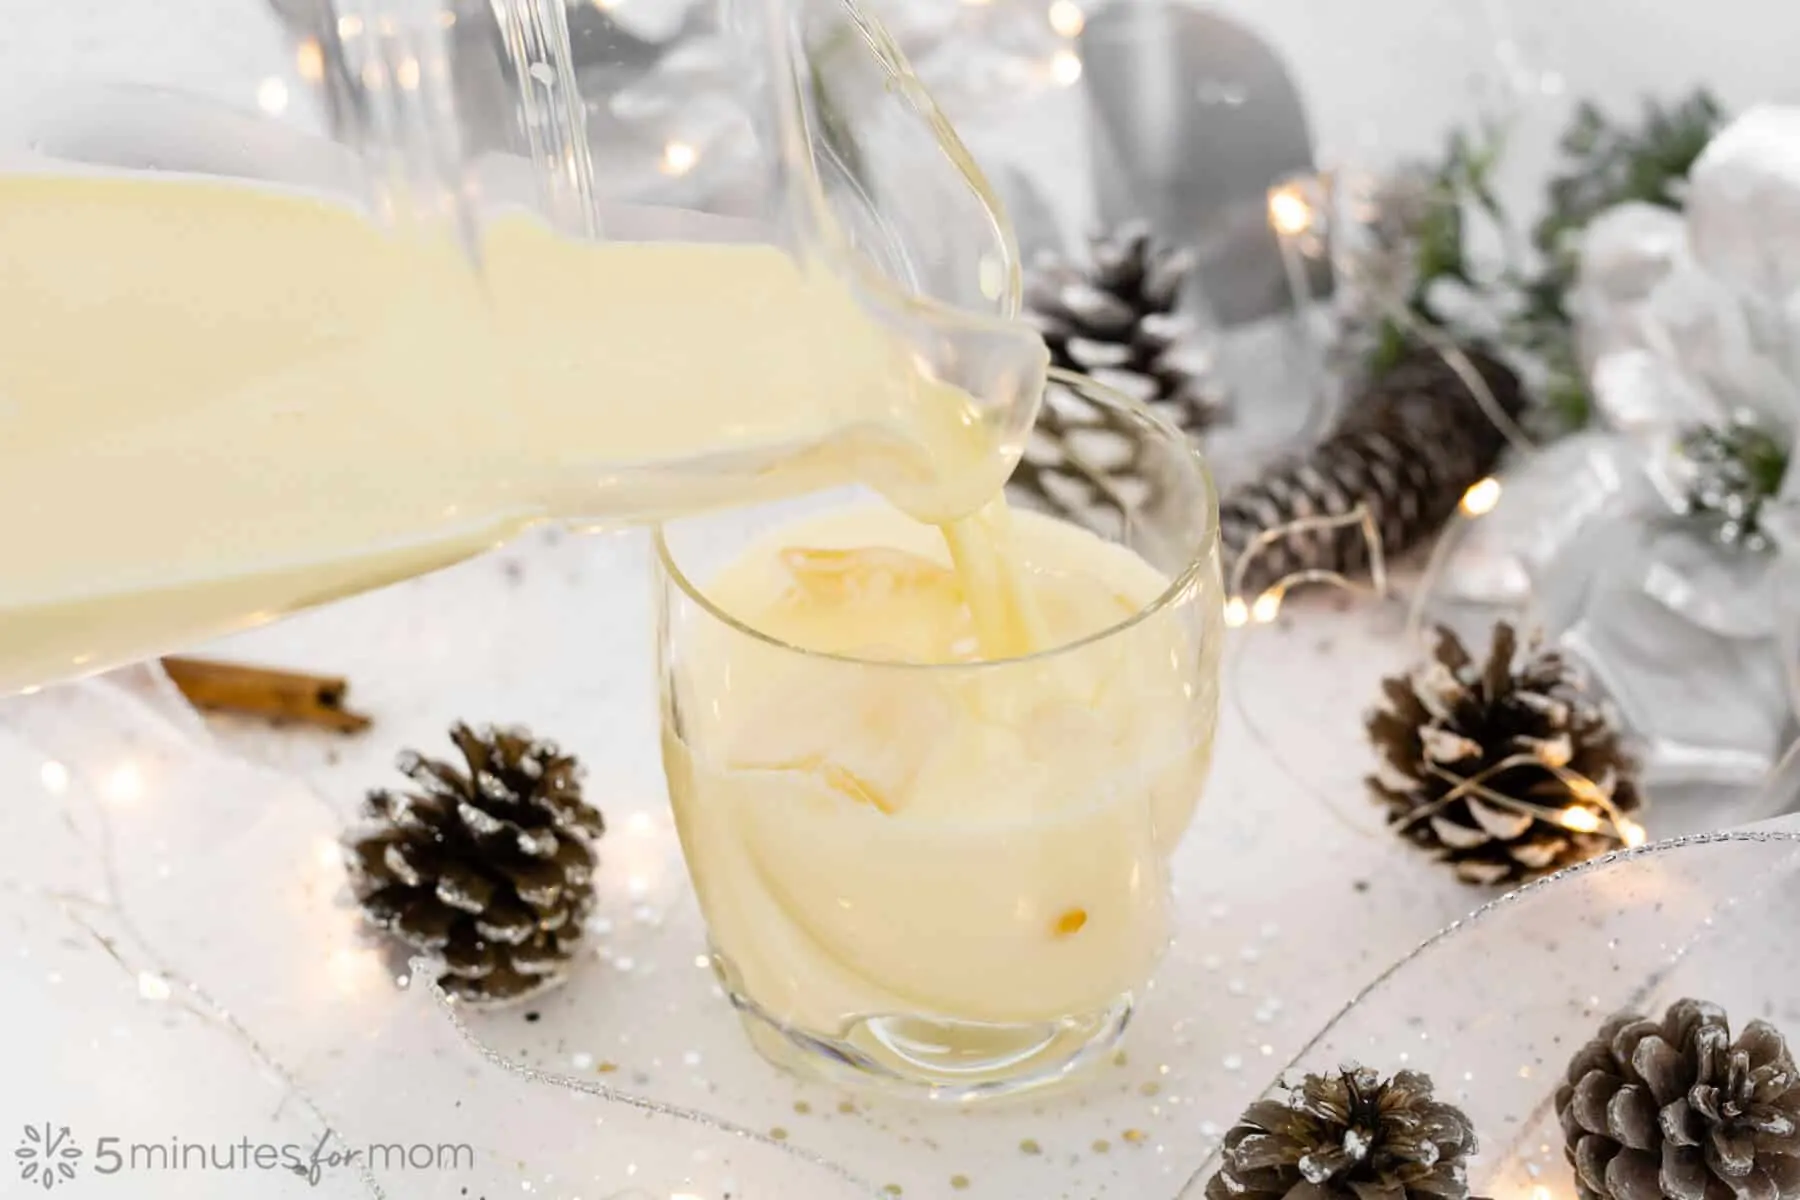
(299, 297)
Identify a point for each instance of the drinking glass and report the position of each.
(945, 876)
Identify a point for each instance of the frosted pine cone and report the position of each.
(1407, 449)
(1348, 1136)
(490, 868)
(1676, 1110)
(1118, 321)
(1554, 783)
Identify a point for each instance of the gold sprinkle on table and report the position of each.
(1151, 1088)
(1101, 1145)
(846, 1107)
(892, 1189)
(1030, 1146)
(607, 1068)
(778, 1133)
(1134, 1136)
(1071, 922)
(802, 1107)
(959, 1182)
(1120, 1059)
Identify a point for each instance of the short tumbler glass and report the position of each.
(951, 876)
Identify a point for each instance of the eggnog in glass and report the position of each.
(928, 797)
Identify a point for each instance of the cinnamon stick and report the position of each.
(275, 696)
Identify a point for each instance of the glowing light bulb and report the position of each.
(1266, 607)
(1065, 67)
(1632, 832)
(1587, 791)
(349, 27)
(1237, 613)
(679, 158)
(1289, 212)
(1481, 497)
(1540, 1192)
(125, 785)
(1067, 18)
(309, 61)
(328, 855)
(406, 74)
(639, 823)
(354, 971)
(1581, 820)
(272, 96)
(55, 777)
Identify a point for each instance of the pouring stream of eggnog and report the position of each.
(220, 403)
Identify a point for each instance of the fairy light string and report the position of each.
(156, 979)
(1589, 809)
(159, 980)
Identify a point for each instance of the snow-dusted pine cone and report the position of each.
(1349, 1135)
(1555, 782)
(1677, 1110)
(489, 867)
(1408, 449)
(1116, 319)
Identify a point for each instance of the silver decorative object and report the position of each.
(1626, 253)
(1035, 225)
(1781, 522)
(1683, 637)
(1195, 119)
(1547, 504)
(1679, 588)
(1744, 205)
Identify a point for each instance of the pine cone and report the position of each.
(1350, 1136)
(490, 868)
(1679, 1111)
(1408, 448)
(1511, 723)
(1116, 321)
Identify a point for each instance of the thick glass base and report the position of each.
(940, 1059)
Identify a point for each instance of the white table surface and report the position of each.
(1290, 894)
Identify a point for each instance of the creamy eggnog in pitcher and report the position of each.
(219, 403)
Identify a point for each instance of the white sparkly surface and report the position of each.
(1290, 894)
(1290, 898)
